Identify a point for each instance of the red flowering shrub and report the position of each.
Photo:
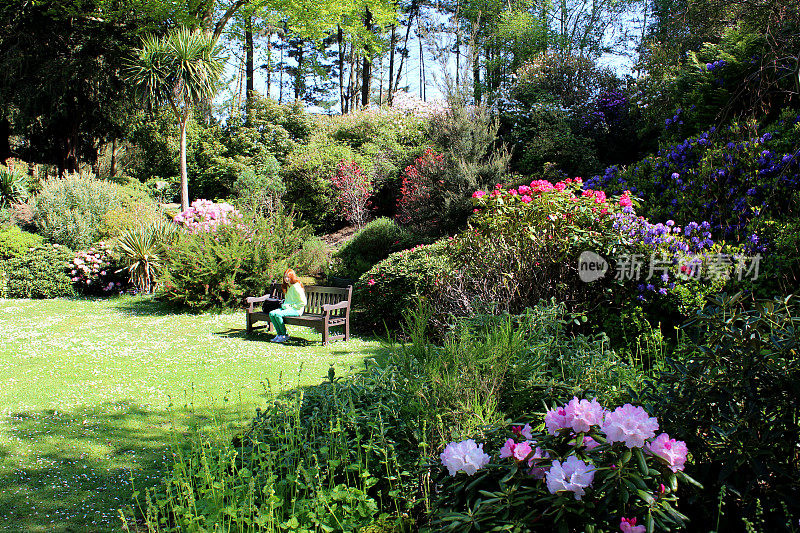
(421, 196)
(353, 190)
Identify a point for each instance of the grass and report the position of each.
(94, 392)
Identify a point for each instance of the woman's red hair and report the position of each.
(292, 279)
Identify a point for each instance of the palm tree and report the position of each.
(180, 69)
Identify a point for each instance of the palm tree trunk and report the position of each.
(184, 174)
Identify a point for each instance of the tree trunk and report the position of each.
(299, 81)
(96, 159)
(269, 65)
(366, 69)
(413, 9)
(458, 44)
(392, 46)
(112, 168)
(476, 77)
(184, 174)
(340, 40)
(5, 134)
(421, 65)
(280, 76)
(248, 68)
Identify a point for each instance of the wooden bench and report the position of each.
(327, 307)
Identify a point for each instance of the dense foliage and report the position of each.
(70, 211)
(371, 244)
(40, 273)
(735, 383)
(218, 265)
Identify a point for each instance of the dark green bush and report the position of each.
(219, 269)
(372, 244)
(14, 242)
(394, 285)
(736, 384)
(40, 273)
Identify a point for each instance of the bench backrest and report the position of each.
(318, 296)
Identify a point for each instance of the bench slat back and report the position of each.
(319, 296)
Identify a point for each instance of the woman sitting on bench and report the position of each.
(293, 305)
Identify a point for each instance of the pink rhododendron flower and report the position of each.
(625, 200)
(526, 199)
(508, 449)
(527, 431)
(573, 475)
(672, 451)
(628, 525)
(560, 186)
(466, 456)
(555, 419)
(578, 180)
(522, 450)
(524, 189)
(581, 415)
(541, 186)
(479, 194)
(371, 282)
(629, 424)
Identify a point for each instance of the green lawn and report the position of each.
(94, 392)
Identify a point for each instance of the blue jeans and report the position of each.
(276, 317)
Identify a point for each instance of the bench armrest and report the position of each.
(254, 300)
(330, 307)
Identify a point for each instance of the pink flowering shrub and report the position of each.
(353, 189)
(591, 470)
(206, 216)
(96, 271)
(524, 242)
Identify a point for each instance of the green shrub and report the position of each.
(14, 242)
(395, 285)
(307, 176)
(258, 190)
(312, 258)
(736, 383)
(136, 208)
(435, 192)
(70, 211)
(13, 186)
(41, 273)
(372, 244)
(328, 459)
(219, 269)
(142, 252)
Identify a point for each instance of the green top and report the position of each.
(296, 297)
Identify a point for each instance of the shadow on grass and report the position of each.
(71, 471)
(144, 306)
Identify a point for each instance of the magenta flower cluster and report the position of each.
(205, 216)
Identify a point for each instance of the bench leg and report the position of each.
(249, 324)
(325, 333)
(347, 330)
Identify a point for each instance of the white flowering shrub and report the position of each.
(589, 469)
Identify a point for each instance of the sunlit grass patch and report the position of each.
(95, 391)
